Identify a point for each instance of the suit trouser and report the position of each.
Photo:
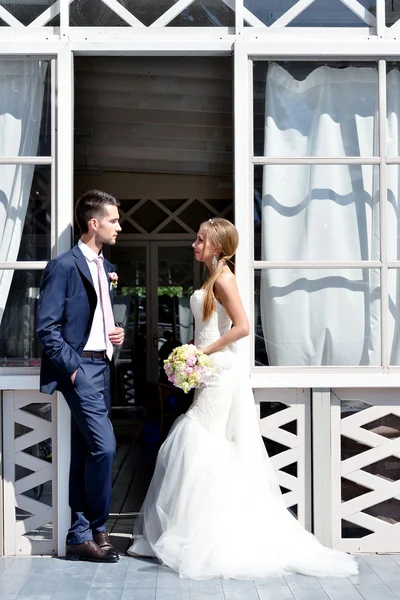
(92, 449)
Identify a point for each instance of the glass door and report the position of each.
(132, 262)
(174, 276)
(156, 279)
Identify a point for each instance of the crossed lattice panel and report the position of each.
(297, 447)
(181, 5)
(25, 512)
(377, 487)
(128, 215)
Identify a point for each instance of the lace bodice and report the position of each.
(212, 402)
(207, 332)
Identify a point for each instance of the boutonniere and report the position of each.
(113, 277)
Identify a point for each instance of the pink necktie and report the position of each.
(105, 301)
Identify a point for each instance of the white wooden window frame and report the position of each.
(38, 161)
(314, 377)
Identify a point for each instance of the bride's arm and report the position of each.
(228, 294)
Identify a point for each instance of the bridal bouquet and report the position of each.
(187, 367)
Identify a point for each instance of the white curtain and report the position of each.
(21, 100)
(320, 212)
(185, 320)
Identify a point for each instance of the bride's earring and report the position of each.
(214, 262)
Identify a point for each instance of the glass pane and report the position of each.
(200, 13)
(394, 316)
(130, 309)
(321, 13)
(147, 11)
(317, 317)
(205, 13)
(93, 13)
(25, 108)
(316, 212)
(175, 286)
(19, 293)
(393, 212)
(26, 11)
(392, 103)
(392, 11)
(315, 109)
(25, 213)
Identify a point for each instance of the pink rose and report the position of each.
(113, 277)
(191, 361)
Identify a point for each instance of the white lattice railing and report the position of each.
(130, 14)
(365, 434)
(287, 426)
(30, 492)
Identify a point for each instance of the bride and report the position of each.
(214, 507)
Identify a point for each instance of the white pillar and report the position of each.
(65, 179)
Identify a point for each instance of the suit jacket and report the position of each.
(65, 314)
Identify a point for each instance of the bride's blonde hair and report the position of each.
(224, 236)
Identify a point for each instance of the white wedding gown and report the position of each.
(213, 508)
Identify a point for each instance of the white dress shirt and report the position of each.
(96, 339)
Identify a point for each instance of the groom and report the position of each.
(77, 332)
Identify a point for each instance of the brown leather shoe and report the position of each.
(89, 551)
(102, 539)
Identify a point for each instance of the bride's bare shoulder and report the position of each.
(225, 283)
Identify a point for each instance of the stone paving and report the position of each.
(41, 578)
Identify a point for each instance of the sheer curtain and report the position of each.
(21, 100)
(323, 212)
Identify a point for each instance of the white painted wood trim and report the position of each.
(283, 44)
(298, 446)
(18, 381)
(122, 12)
(61, 460)
(243, 128)
(308, 45)
(26, 160)
(23, 265)
(9, 474)
(64, 19)
(380, 18)
(322, 478)
(48, 14)
(360, 10)
(292, 13)
(335, 498)
(171, 13)
(384, 535)
(65, 148)
(9, 18)
(316, 264)
(65, 175)
(337, 378)
(384, 300)
(316, 160)
(53, 178)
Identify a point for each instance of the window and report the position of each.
(26, 216)
(326, 261)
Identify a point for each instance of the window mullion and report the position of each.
(382, 212)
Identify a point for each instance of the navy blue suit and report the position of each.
(65, 313)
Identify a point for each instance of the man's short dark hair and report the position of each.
(91, 206)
